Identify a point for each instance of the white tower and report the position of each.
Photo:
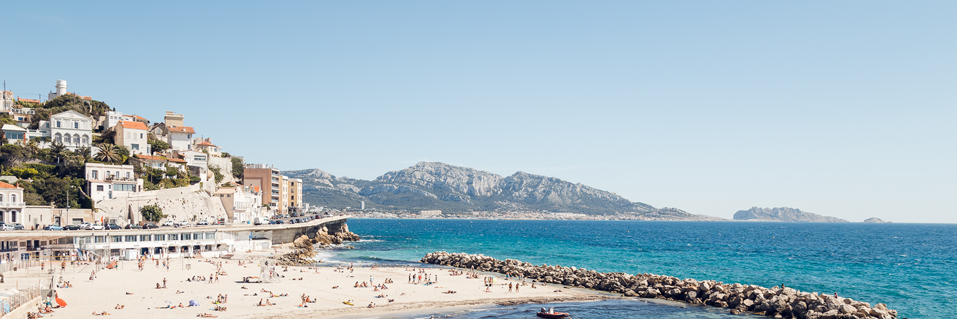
(60, 87)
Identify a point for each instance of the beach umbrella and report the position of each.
(193, 303)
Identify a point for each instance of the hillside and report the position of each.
(783, 214)
(454, 189)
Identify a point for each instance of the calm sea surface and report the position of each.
(910, 267)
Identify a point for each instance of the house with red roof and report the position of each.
(133, 135)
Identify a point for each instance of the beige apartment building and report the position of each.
(269, 181)
(294, 195)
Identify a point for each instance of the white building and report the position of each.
(133, 135)
(60, 90)
(181, 138)
(206, 145)
(105, 181)
(113, 118)
(197, 163)
(13, 133)
(11, 203)
(243, 204)
(71, 128)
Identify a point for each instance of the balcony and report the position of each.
(12, 204)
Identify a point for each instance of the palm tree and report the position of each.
(107, 153)
(33, 146)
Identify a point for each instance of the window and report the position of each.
(86, 140)
(66, 139)
(76, 125)
(187, 236)
(57, 123)
(197, 236)
(99, 239)
(136, 147)
(117, 239)
(159, 237)
(13, 198)
(127, 174)
(130, 238)
(99, 188)
(210, 235)
(173, 236)
(94, 174)
(141, 135)
(144, 237)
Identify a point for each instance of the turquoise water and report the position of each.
(910, 267)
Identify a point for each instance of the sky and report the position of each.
(845, 109)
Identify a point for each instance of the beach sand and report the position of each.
(110, 288)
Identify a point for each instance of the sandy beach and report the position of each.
(326, 287)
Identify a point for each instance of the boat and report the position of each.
(556, 315)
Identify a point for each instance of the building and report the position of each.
(267, 178)
(13, 133)
(206, 145)
(113, 118)
(157, 162)
(180, 137)
(105, 181)
(11, 203)
(133, 135)
(196, 162)
(6, 101)
(173, 119)
(294, 195)
(60, 90)
(243, 203)
(71, 128)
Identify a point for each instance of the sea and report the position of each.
(910, 267)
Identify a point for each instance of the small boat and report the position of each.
(556, 315)
(348, 303)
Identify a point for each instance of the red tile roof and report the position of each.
(6, 185)
(205, 144)
(139, 117)
(176, 160)
(150, 157)
(182, 129)
(28, 100)
(133, 125)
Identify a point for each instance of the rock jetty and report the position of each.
(778, 302)
(303, 248)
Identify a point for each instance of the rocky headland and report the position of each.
(304, 247)
(778, 302)
(783, 214)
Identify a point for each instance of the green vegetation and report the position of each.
(68, 102)
(238, 167)
(156, 145)
(152, 213)
(216, 172)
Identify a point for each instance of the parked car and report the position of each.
(97, 227)
(113, 226)
(5, 226)
(202, 223)
(150, 226)
(18, 226)
(52, 227)
(71, 227)
(168, 224)
(86, 226)
(133, 226)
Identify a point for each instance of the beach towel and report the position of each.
(193, 303)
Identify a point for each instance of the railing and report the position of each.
(21, 298)
(12, 204)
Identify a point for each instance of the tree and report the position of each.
(107, 153)
(158, 146)
(216, 172)
(152, 213)
(238, 168)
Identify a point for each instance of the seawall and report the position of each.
(739, 298)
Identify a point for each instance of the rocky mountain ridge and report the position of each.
(783, 214)
(454, 189)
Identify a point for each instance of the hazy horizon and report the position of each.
(841, 109)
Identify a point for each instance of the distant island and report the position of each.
(783, 214)
(875, 220)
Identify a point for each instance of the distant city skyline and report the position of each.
(841, 109)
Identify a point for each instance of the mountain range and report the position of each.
(454, 189)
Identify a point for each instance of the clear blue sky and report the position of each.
(840, 108)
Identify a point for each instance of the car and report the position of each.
(168, 224)
(150, 226)
(18, 226)
(202, 223)
(86, 226)
(113, 226)
(132, 226)
(5, 226)
(52, 227)
(96, 227)
(72, 227)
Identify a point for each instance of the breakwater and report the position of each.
(781, 302)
